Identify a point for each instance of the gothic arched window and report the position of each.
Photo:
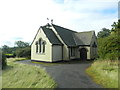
(43, 46)
(94, 45)
(36, 47)
(40, 45)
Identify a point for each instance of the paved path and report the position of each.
(69, 75)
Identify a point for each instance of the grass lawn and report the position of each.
(18, 75)
(104, 73)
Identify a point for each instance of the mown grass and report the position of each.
(104, 73)
(18, 75)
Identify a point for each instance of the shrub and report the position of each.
(23, 52)
(108, 48)
(112, 56)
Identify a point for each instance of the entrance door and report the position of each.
(83, 54)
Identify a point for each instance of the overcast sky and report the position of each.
(20, 19)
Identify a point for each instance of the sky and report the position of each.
(20, 19)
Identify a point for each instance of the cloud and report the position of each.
(89, 14)
(22, 18)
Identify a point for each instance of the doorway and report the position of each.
(83, 54)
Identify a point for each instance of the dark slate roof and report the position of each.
(51, 36)
(83, 38)
(66, 35)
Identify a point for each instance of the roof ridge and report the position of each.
(65, 34)
(64, 28)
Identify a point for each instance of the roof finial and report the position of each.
(51, 21)
(47, 20)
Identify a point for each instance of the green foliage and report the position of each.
(18, 75)
(23, 49)
(109, 47)
(8, 51)
(23, 52)
(104, 33)
(112, 56)
(101, 47)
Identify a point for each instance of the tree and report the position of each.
(109, 47)
(21, 44)
(116, 35)
(5, 49)
(104, 33)
(116, 28)
(23, 49)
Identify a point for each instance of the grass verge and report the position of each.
(104, 73)
(25, 76)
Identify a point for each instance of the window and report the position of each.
(94, 45)
(40, 46)
(44, 47)
(72, 51)
(36, 47)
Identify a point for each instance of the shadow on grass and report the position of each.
(8, 67)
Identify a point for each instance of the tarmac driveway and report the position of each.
(69, 75)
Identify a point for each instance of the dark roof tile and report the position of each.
(83, 38)
(66, 35)
(51, 35)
